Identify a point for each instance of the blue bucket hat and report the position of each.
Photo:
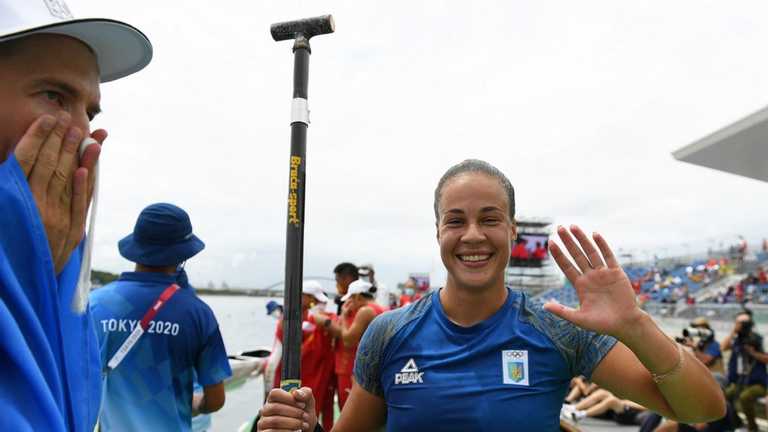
(162, 237)
(272, 305)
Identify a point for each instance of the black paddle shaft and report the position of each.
(301, 31)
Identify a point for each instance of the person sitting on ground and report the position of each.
(656, 423)
(51, 69)
(725, 424)
(580, 388)
(150, 386)
(476, 355)
(603, 404)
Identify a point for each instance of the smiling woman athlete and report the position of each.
(476, 355)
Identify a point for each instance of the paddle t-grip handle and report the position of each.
(307, 27)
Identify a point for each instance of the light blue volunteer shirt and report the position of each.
(509, 372)
(49, 364)
(152, 388)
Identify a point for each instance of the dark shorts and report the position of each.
(725, 424)
(628, 417)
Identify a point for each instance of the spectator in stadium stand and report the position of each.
(750, 288)
(729, 292)
(357, 313)
(345, 274)
(739, 291)
(540, 252)
(519, 252)
(317, 363)
(643, 298)
(746, 366)
(742, 246)
(762, 276)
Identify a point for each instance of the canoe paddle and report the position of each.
(301, 31)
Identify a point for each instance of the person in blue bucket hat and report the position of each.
(157, 338)
(162, 237)
(274, 309)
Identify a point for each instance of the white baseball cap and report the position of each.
(313, 288)
(357, 287)
(120, 48)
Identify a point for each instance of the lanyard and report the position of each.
(142, 327)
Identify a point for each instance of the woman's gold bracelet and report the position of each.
(659, 378)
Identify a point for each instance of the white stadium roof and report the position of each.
(740, 148)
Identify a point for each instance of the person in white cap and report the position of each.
(316, 347)
(357, 312)
(51, 67)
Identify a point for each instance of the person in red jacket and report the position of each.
(409, 290)
(519, 252)
(316, 346)
(540, 252)
(358, 311)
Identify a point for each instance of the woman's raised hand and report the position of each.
(607, 300)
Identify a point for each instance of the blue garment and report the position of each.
(510, 371)
(742, 367)
(200, 422)
(152, 388)
(49, 365)
(713, 349)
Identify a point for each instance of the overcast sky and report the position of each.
(579, 103)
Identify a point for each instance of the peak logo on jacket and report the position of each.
(409, 374)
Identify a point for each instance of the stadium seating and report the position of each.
(664, 285)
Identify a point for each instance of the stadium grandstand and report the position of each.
(678, 286)
(716, 286)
